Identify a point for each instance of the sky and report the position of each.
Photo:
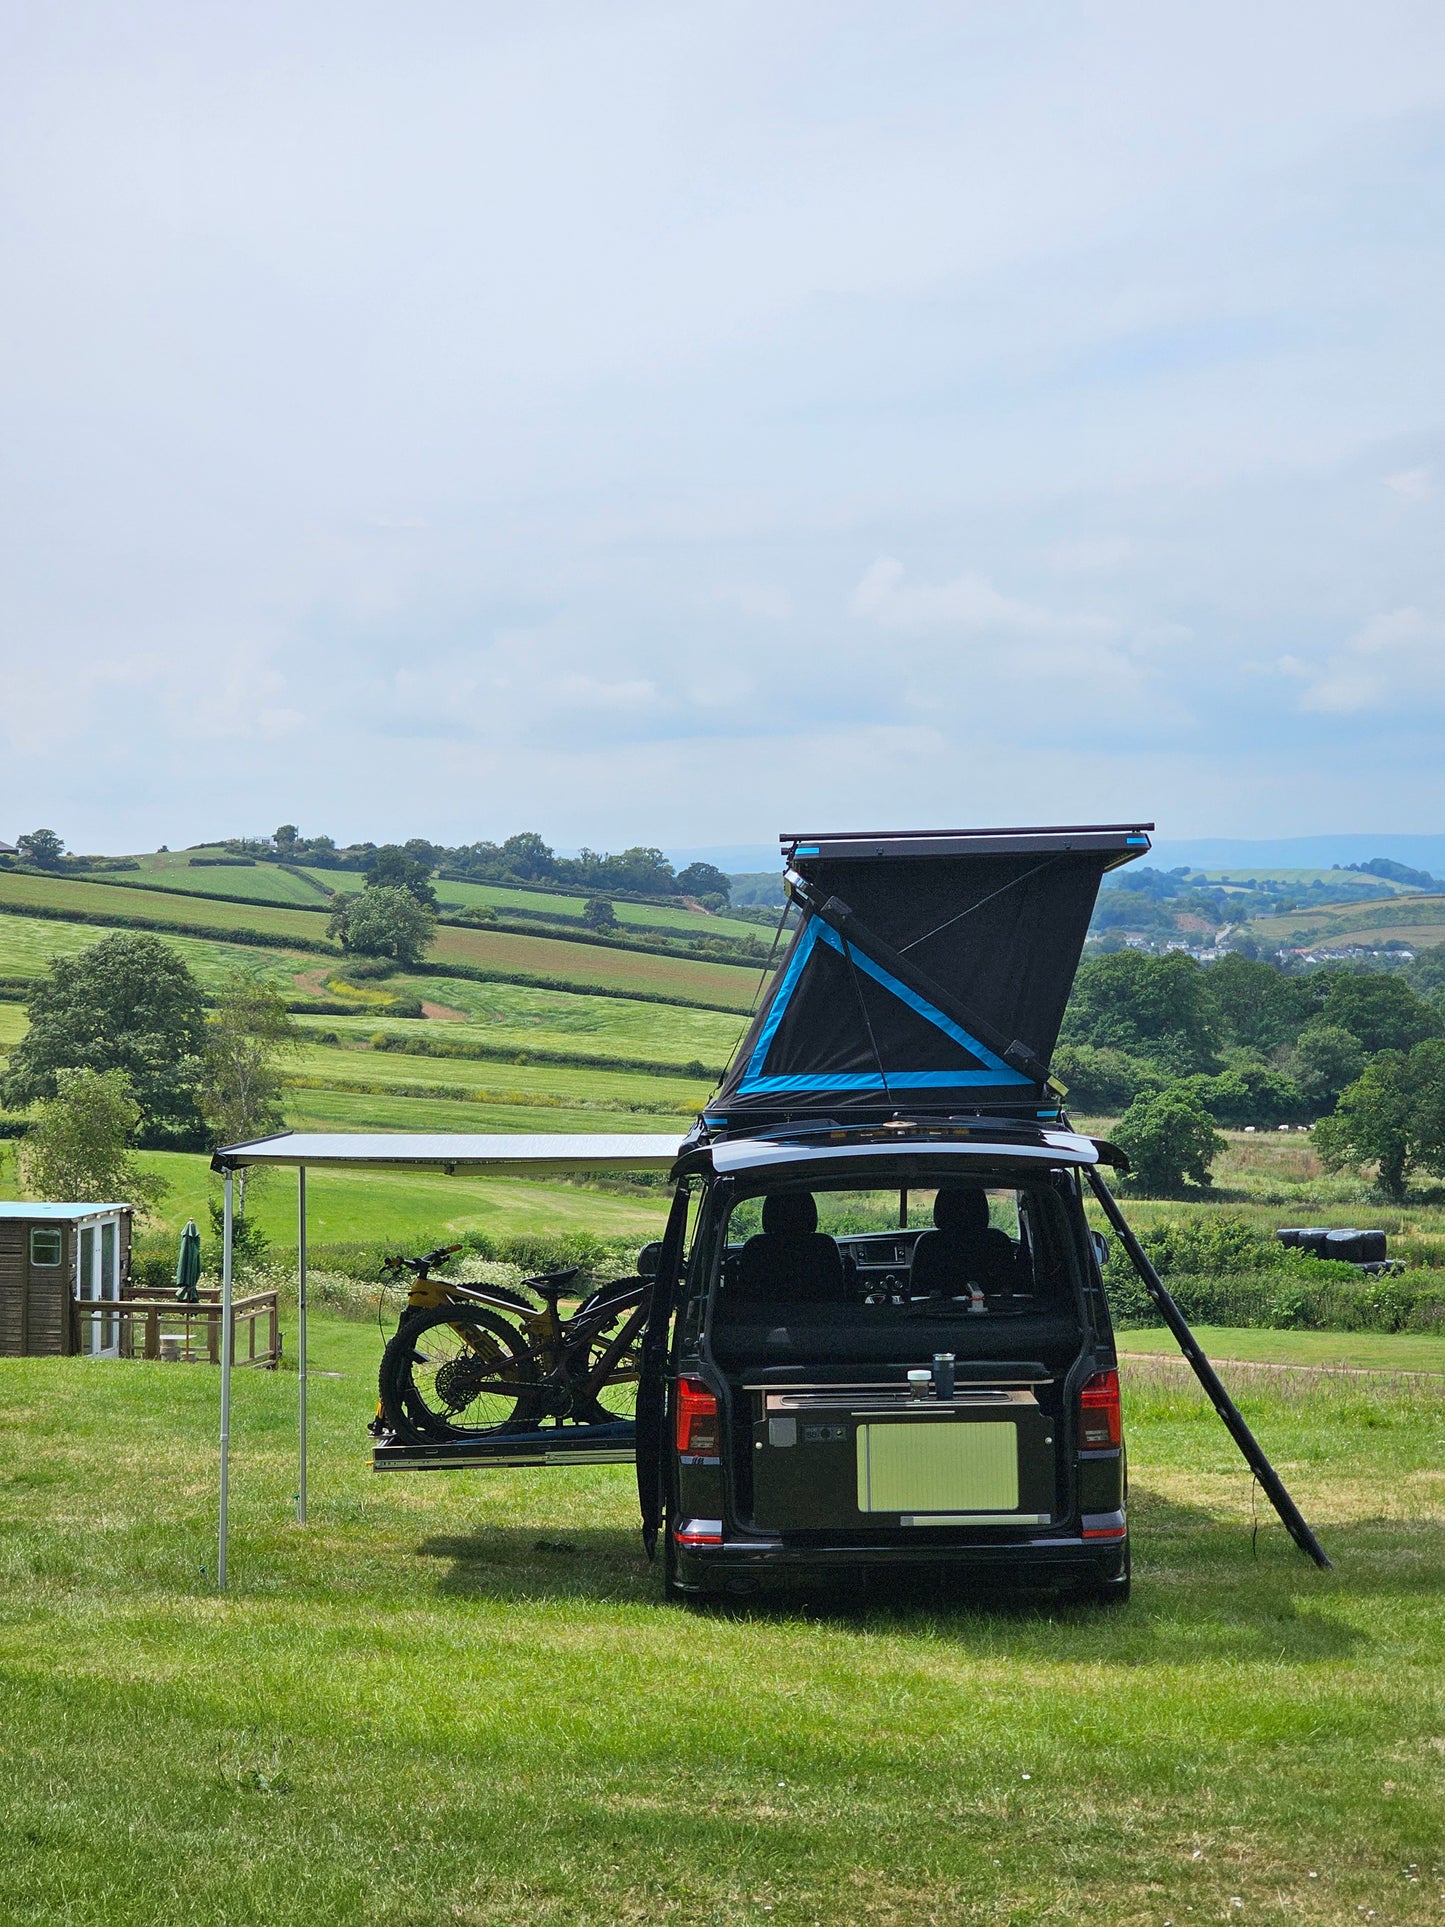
(676, 425)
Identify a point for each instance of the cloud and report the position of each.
(1411, 484)
(969, 605)
(1395, 661)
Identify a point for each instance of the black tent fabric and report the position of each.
(929, 972)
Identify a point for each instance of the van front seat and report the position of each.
(964, 1250)
(792, 1262)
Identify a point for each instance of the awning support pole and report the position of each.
(228, 1228)
(1294, 1520)
(301, 1343)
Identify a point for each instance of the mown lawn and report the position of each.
(459, 1698)
(1353, 1351)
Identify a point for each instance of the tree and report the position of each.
(528, 857)
(1392, 1116)
(241, 1084)
(285, 840)
(383, 922)
(1157, 1008)
(1168, 1137)
(1381, 1010)
(598, 914)
(42, 847)
(703, 880)
(1324, 1060)
(1259, 1006)
(128, 1003)
(394, 868)
(77, 1148)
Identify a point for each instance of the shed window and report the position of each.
(45, 1243)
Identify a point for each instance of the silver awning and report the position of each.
(538, 1155)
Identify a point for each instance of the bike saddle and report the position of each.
(550, 1285)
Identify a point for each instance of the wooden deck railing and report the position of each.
(169, 1330)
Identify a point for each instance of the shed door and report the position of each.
(12, 1288)
(97, 1280)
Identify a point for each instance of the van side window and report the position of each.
(45, 1244)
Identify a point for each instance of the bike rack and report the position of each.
(614, 1444)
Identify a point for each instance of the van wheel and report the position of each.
(1107, 1592)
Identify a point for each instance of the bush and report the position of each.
(1318, 1296)
(1168, 1137)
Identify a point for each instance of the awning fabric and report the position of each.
(540, 1156)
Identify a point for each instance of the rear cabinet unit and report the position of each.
(55, 1259)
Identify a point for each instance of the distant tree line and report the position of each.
(1180, 1047)
(523, 858)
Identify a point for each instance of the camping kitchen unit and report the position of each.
(51, 1256)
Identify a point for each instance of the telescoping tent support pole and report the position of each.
(301, 1344)
(1294, 1520)
(228, 1224)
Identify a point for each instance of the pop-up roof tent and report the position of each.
(929, 972)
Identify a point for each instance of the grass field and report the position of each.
(543, 1083)
(164, 906)
(1414, 919)
(264, 882)
(1354, 1351)
(724, 986)
(452, 895)
(460, 1698)
(27, 945)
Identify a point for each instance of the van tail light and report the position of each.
(699, 1433)
(1100, 1421)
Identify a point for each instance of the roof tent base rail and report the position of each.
(564, 1445)
(1293, 1519)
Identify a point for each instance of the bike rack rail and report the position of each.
(613, 1444)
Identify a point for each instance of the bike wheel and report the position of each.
(457, 1372)
(616, 1397)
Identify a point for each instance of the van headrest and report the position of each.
(789, 1213)
(957, 1209)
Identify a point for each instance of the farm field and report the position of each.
(379, 1073)
(102, 900)
(722, 986)
(525, 1018)
(172, 870)
(338, 1109)
(461, 1698)
(454, 895)
(1423, 917)
(27, 945)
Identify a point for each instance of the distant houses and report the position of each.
(7, 849)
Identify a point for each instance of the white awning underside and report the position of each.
(538, 1155)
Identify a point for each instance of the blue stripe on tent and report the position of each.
(756, 1083)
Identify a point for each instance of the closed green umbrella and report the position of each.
(188, 1265)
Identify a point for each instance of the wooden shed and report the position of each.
(50, 1256)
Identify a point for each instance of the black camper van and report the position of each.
(875, 1332)
(879, 1333)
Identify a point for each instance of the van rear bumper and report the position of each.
(749, 1562)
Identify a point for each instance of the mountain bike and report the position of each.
(470, 1360)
